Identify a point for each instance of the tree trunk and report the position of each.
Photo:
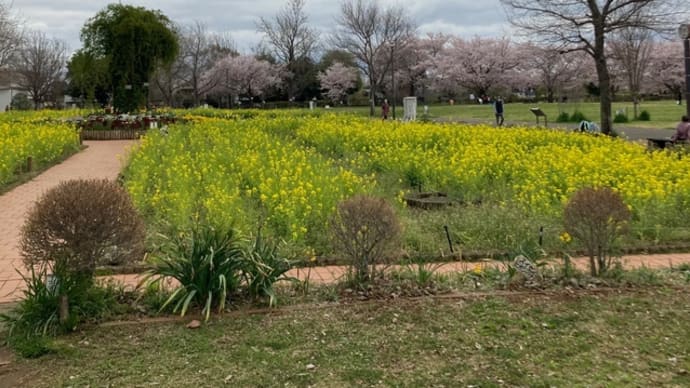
(372, 99)
(604, 96)
(602, 261)
(599, 55)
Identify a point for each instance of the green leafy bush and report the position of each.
(21, 102)
(563, 117)
(620, 118)
(578, 116)
(644, 116)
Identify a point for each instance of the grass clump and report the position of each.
(644, 116)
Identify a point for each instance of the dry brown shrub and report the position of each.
(80, 224)
(366, 230)
(597, 217)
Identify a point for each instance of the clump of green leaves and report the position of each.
(264, 266)
(577, 117)
(644, 116)
(205, 261)
(563, 117)
(211, 264)
(620, 118)
(35, 320)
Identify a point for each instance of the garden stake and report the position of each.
(450, 243)
(541, 236)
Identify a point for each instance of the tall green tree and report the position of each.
(135, 41)
(88, 78)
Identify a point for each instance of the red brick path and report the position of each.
(100, 160)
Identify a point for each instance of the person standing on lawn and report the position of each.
(385, 108)
(498, 110)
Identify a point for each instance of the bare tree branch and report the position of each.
(11, 34)
(40, 64)
(370, 32)
(289, 33)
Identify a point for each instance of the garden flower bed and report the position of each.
(287, 170)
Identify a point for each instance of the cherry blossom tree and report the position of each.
(414, 61)
(243, 75)
(199, 51)
(337, 80)
(666, 71)
(557, 73)
(479, 65)
(587, 25)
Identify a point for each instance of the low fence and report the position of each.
(114, 134)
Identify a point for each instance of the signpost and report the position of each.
(540, 113)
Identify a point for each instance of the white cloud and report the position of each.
(64, 19)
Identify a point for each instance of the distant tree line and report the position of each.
(133, 57)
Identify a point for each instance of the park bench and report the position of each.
(659, 142)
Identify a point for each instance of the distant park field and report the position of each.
(663, 114)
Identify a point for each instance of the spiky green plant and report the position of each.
(265, 265)
(206, 261)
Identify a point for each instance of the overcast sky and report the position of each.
(64, 18)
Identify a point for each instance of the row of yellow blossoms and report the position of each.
(233, 172)
(36, 135)
(290, 169)
(537, 169)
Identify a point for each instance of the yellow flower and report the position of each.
(478, 269)
(565, 237)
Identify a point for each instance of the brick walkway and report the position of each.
(334, 273)
(330, 274)
(100, 160)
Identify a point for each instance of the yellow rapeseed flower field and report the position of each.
(33, 134)
(288, 170)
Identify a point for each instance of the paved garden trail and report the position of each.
(101, 160)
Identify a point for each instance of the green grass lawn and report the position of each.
(664, 114)
(615, 338)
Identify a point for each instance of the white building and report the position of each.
(8, 89)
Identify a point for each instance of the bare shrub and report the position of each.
(597, 217)
(80, 224)
(366, 230)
